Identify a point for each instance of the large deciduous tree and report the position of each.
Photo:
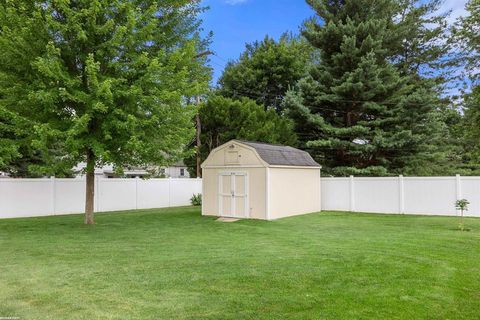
(266, 70)
(361, 109)
(9, 138)
(104, 81)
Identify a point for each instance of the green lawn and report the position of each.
(175, 264)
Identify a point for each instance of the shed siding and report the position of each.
(294, 191)
(256, 191)
(210, 189)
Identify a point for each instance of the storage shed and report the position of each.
(243, 179)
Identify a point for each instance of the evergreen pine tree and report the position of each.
(355, 111)
(467, 35)
(472, 127)
(418, 42)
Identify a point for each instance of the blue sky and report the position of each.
(237, 22)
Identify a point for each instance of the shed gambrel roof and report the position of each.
(281, 155)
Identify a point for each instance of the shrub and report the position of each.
(196, 200)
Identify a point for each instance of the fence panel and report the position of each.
(409, 195)
(470, 190)
(69, 196)
(116, 194)
(335, 194)
(44, 197)
(430, 195)
(154, 193)
(26, 197)
(182, 190)
(380, 195)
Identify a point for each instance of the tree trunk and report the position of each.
(199, 145)
(90, 189)
(199, 142)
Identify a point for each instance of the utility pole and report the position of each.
(199, 142)
(198, 122)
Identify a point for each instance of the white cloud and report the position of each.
(235, 2)
(457, 7)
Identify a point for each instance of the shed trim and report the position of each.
(281, 155)
(267, 193)
(320, 190)
(294, 167)
(238, 142)
(233, 167)
(203, 196)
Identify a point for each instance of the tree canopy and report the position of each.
(266, 70)
(224, 119)
(364, 87)
(102, 81)
(358, 111)
(466, 37)
(467, 33)
(9, 138)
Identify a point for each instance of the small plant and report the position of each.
(462, 205)
(196, 200)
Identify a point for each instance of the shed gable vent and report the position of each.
(231, 157)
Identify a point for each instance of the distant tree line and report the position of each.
(366, 88)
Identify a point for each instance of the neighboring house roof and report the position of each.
(4, 175)
(128, 172)
(178, 164)
(281, 155)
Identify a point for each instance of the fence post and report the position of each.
(54, 194)
(96, 196)
(458, 189)
(202, 192)
(352, 194)
(401, 189)
(136, 192)
(169, 192)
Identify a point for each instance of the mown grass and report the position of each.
(175, 264)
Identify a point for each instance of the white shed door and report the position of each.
(233, 197)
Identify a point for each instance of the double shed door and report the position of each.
(233, 194)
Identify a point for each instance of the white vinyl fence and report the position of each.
(43, 197)
(402, 195)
